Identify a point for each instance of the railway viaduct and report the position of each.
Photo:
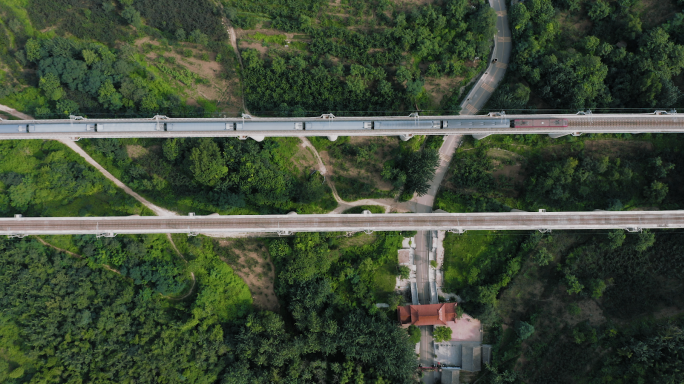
(287, 224)
(583, 122)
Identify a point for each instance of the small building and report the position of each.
(471, 358)
(450, 376)
(486, 354)
(430, 314)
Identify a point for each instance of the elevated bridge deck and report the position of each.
(285, 224)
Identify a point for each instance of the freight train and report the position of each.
(83, 126)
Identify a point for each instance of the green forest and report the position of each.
(596, 171)
(114, 61)
(381, 68)
(216, 175)
(580, 54)
(46, 178)
(126, 310)
(574, 307)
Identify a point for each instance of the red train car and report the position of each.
(540, 123)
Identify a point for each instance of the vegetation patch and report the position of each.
(45, 178)
(216, 175)
(530, 172)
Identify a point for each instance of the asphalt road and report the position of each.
(482, 91)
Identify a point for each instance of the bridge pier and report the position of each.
(332, 138)
(480, 137)
(406, 137)
(255, 138)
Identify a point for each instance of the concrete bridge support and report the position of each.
(480, 137)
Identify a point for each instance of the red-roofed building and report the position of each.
(429, 314)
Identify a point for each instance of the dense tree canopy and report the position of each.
(616, 64)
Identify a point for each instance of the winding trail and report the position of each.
(15, 113)
(388, 204)
(192, 274)
(159, 211)
(233, 43)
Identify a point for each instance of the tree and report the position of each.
(198, 37)
(109, 97)
(51, 86)
(656, 192)
(419, 168)
(180, 34)
(543, 257)
(404, 272)
(459, 311)
(171, 149)
(66, 107)
(524, 330)
(617, 238)
(598, 10)
(645, 240)
(441, 334)
(132, 16)
(574, 286)
(207, 163)
(520, 17)
(403, 74)
(414, 334)
(597, 286)
(90, 56)
(33, 50)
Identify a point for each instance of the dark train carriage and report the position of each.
(540, 123)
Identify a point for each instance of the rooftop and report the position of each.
(429, 314)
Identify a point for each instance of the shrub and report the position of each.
(442, 334)
(524, 330)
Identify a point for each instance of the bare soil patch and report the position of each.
(136, 151)
(574, 26)
(251, 261)
(368, 171)
(437, 88)
(304, 159)
(655, 12)
(218, 89)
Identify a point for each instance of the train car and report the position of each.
(129, 127)
(476, 123)
(540, 123)
(75, 127)
(12, 128)
(250, 125)
(184, 127)
(408, 124)
(337, 125)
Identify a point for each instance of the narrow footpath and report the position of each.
(159, 211)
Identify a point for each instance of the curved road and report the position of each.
(480, 93)
(474, 101)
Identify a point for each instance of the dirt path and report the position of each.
(192, 275)
(14, 112)
(159, 211)
(388, 204)
(233, 43)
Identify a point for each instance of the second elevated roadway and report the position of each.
(287, 224)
